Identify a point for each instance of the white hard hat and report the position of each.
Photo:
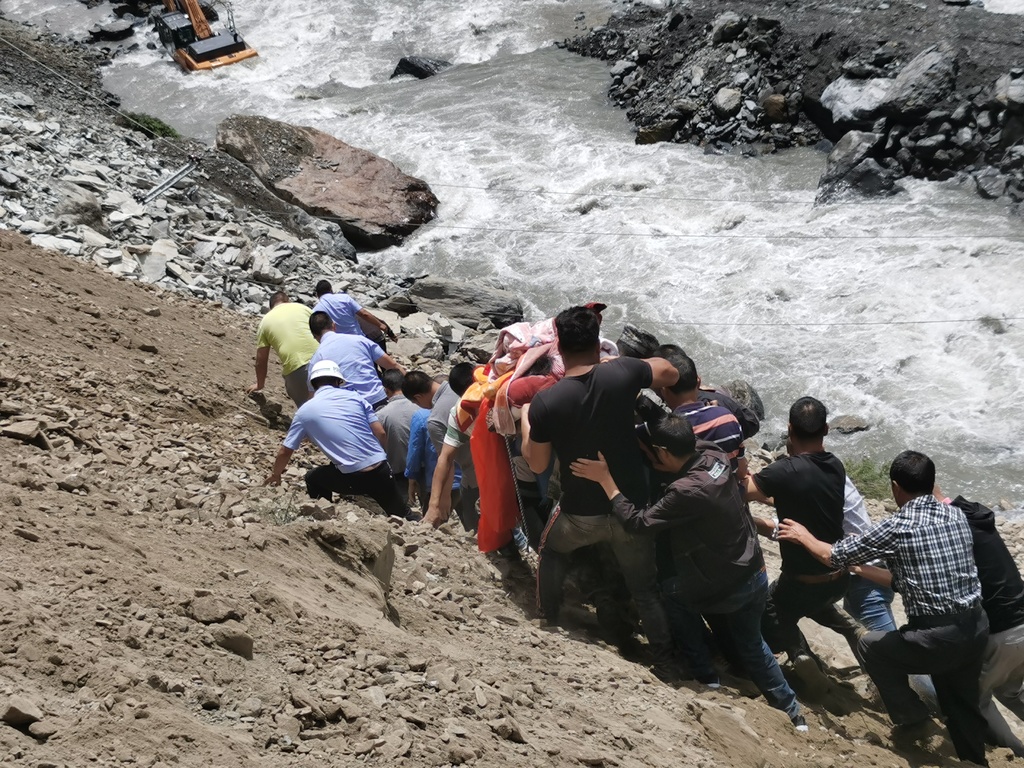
(326, 369)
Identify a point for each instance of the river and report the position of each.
(870, 306)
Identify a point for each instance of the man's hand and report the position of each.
(273, 479)
(254, 388)
(389, 333)
(790, 530)
(591, 469)
(435, 516)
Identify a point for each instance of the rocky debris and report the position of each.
(941, 105)
(232, 636)
(112, 31)
(419, 67)
(471, 304)
(374, 203)
(211, 609)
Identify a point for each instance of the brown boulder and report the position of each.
(374, 203)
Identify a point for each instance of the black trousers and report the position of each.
(790, 600)
(323, 482)
(950, 649)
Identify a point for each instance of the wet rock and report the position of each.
(374, 203)
(420, 67)
(848, 425)
(112, 31)
(466, 303)
(847, 154)
(636, 342)
(743, 392)
(855, 100)
(991, 183)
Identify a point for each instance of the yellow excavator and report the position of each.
(186, 32)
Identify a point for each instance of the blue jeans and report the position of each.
(741, 611)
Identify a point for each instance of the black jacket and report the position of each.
(1002, 590)
(713, 540)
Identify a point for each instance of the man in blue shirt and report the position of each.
(345, 428)
(349, 316)
(356, 356)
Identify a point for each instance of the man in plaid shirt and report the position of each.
(928, 550)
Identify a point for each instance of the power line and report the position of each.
(660, 198)
(851, 323)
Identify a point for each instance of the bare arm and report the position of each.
(284, 455)
(262, 361)
(752, 493)
(664, 373)
(388, 362)
(372, 318)
(378, 431)
(441, 490)
(882, 576)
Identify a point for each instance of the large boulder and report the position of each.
(850, 166)
(374, 203)
(922, 84)
(852, 101)
(466, 303)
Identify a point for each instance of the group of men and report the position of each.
(666, 490)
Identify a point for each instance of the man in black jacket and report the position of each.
(719, 566)
(1002, 597)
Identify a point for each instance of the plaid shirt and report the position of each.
(928, 547)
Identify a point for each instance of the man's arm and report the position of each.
(262, 362)
(792, 531)
(663, 372)
(441, 491)
(751, 491)
(388, 362)
(372, 318)
(537, 455)
(378, 431)
(284, 455)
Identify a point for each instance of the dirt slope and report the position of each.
(139, 553)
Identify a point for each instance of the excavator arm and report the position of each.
(195, 14)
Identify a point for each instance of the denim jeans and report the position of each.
(741, 611)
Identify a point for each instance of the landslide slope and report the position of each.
(140, 554)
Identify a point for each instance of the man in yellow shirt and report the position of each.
(285, 328)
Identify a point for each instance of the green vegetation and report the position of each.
(277, 511)
(153, 127)
(870, 477)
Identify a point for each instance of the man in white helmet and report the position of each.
(345, 428)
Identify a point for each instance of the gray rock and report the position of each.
(743, 392)
(20, 711)
(622, 68)
(922, 84)
(232, 637)
(154, 263)
(848, 152)
(727, 102)
(466, 303)
(251, 707)
(727, 27)
(211, 609)
(420, 67)
(78, 205)
(112, 31)
(991, 183)
(855, 100)
(1010, 93)
(636, 342)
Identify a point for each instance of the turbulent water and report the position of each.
(872, 307)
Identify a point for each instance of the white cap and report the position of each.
(326, 369)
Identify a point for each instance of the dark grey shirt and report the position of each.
(396, 417)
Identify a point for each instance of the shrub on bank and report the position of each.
(153, 127)
(870, 477)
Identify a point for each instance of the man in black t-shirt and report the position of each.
(807, 486)
(590, 410)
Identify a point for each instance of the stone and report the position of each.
(636, 342)
(371, 200)
(466, 303)
(27, 430)
(743, 392)
(419, 67)
(207, 698)
(848, 152)
(922, 84)
(154, 263)
(251, 707)
(990, 183)
(112, 31)
(855, 100)
(43, 730)
(848, 425)
(232, 637)
(727, 27)
(211, 609)
(20, 711)
(1009, 92)
(776, 110)
(727, 102)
